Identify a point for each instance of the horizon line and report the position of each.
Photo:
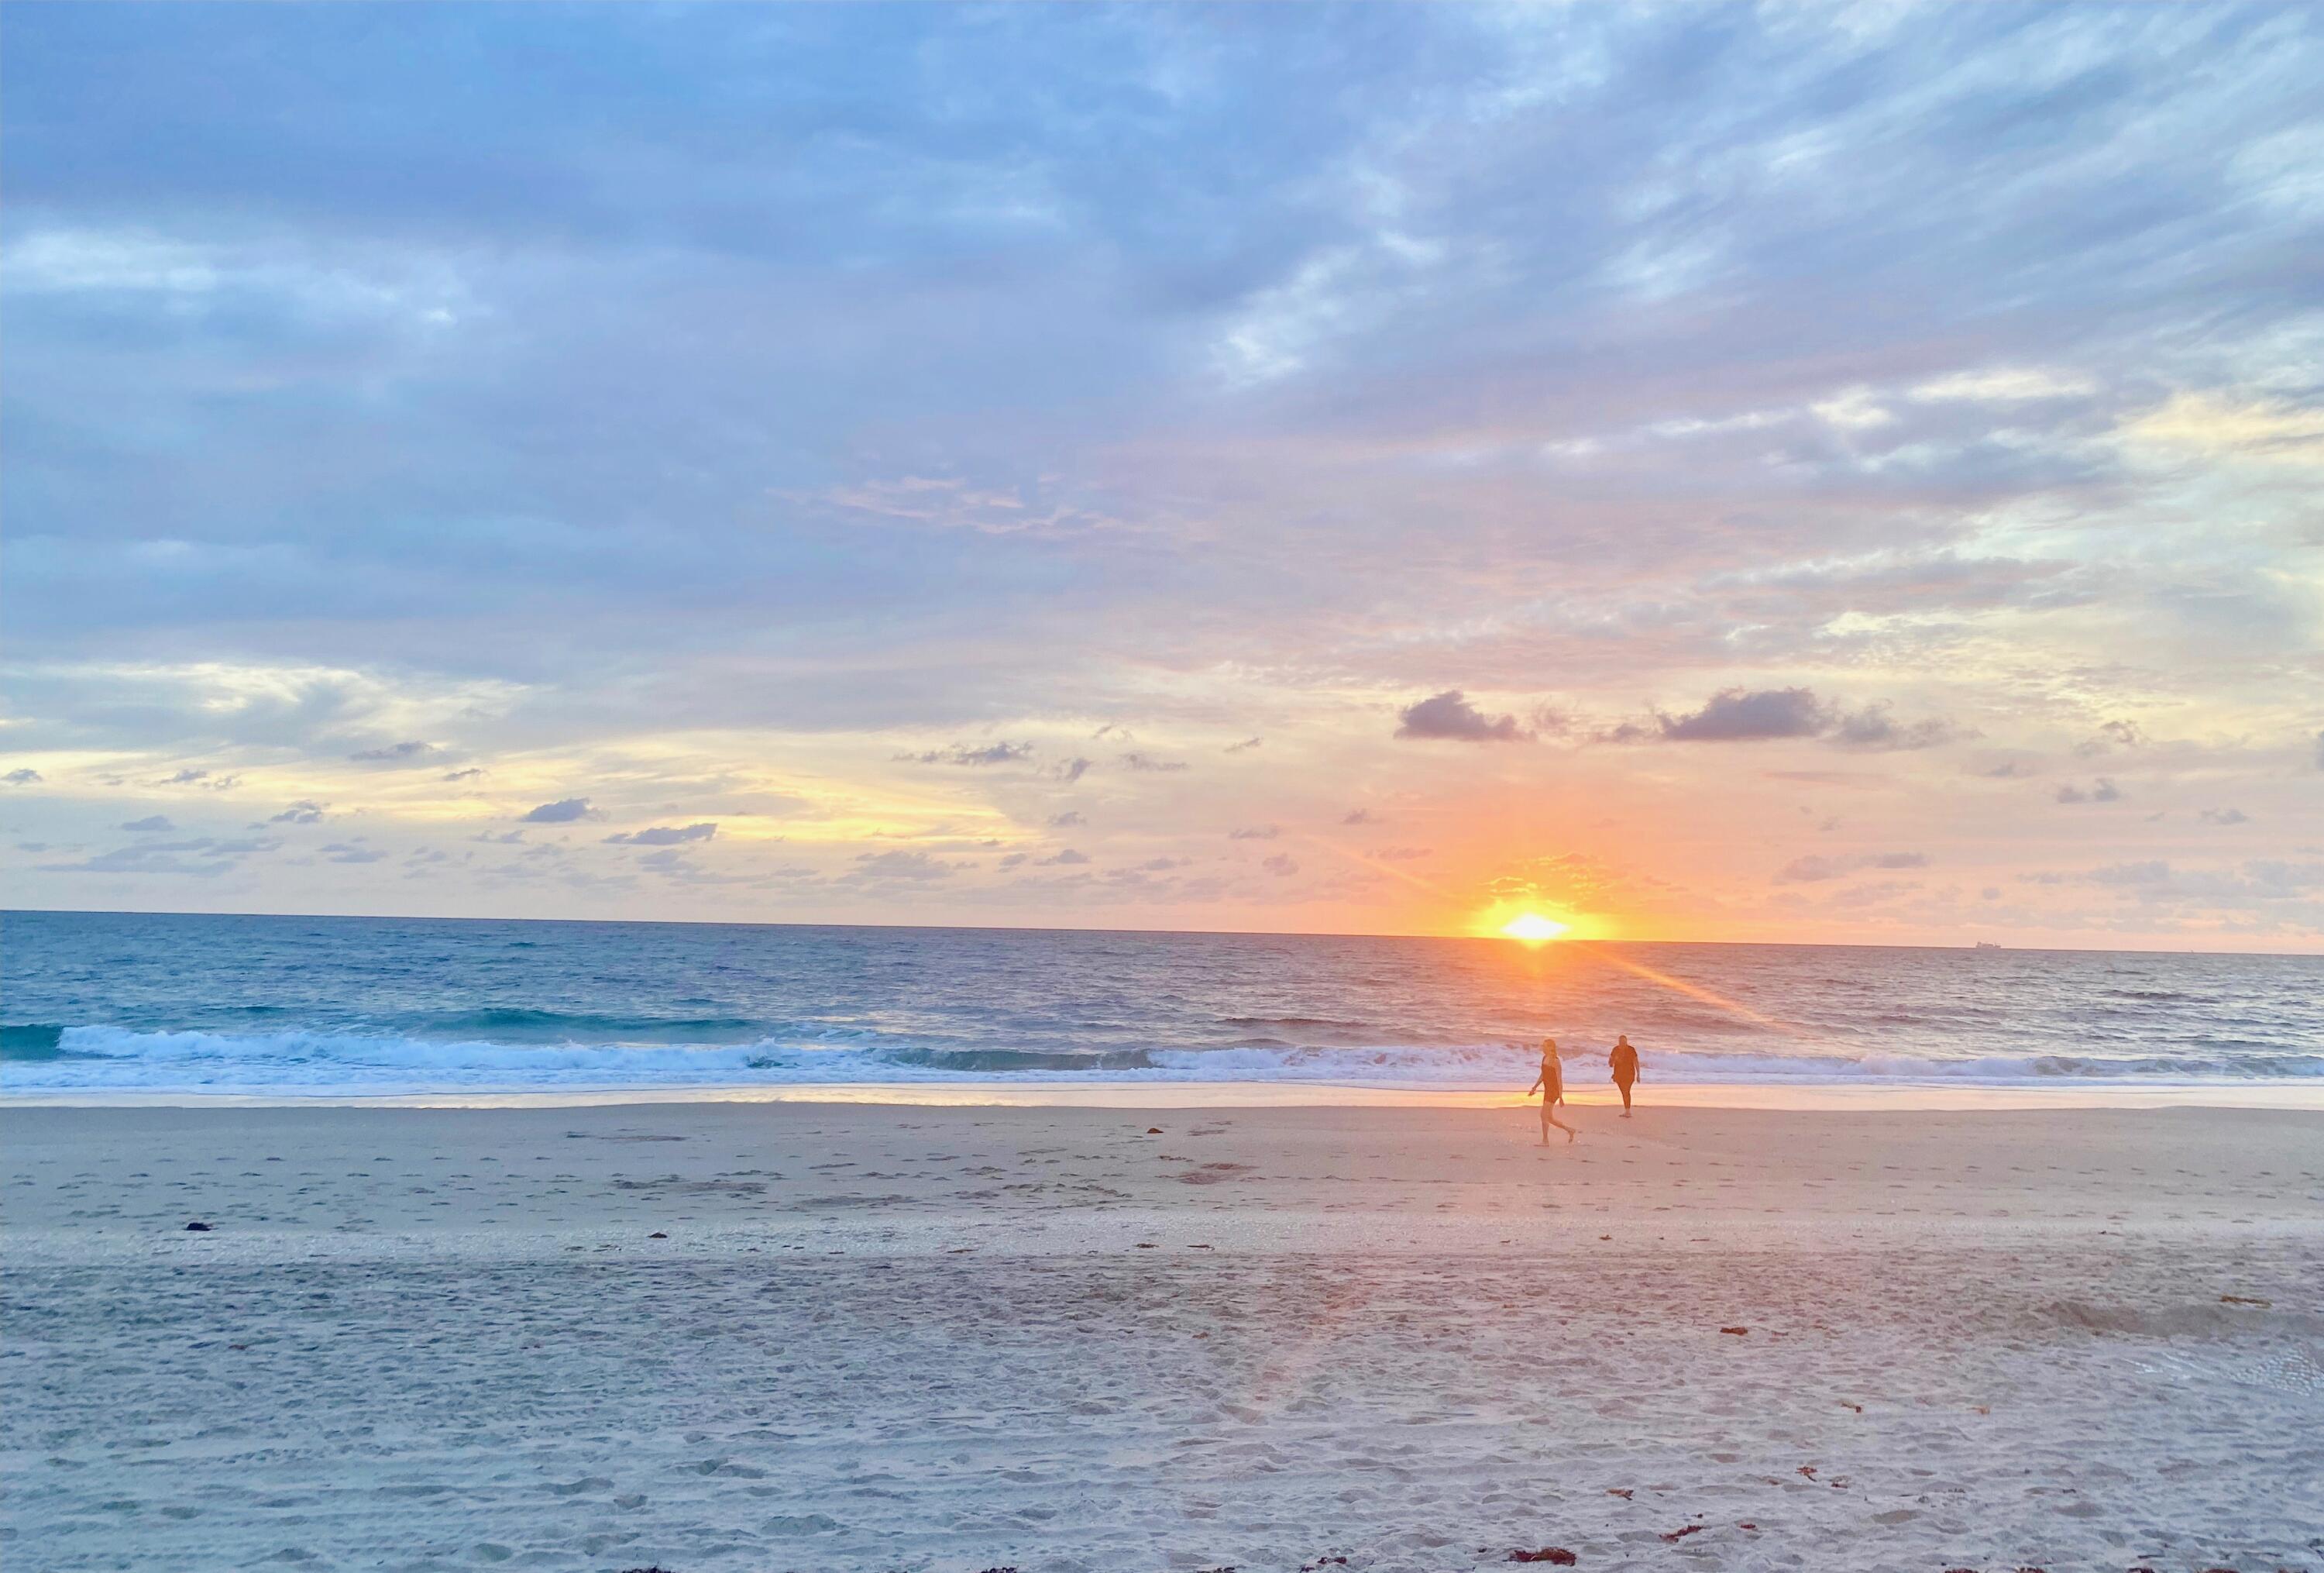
(1971, 945)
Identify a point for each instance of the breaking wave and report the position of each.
(105, 1058)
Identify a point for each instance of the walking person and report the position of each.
(1624, 1062)
(1551, 1083)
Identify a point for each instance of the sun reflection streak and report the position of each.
(1595, 950)
(1691, 991)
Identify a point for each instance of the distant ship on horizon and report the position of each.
(1985, 945)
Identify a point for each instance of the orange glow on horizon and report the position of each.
(1532, 928)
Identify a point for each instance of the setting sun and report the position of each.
(1533, 928)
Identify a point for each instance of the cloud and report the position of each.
(2111, 735)
(1255, 833)
(1749, 716)
(1066, 820)
(1404, 854)
(1245, 747)
(413, 753)
(664, 835)
(1282, 865)
(2226, 816)
(471, 774)
(2223, 425)
(350, 852)
(1812, 869)
(1358, 817)
(1871, 730)
(2152, 872)
(2006, 385)
(1294, 316)
(202, 858)
(564, 812)
(1449, 716)
(913, 867)
(26, 776)
(301, 813)
(2102, 790)
(962, 754)
(1066, 859)
(1146, 762)
(186, 776)
(151, 824)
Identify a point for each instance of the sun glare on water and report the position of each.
(1533, 928)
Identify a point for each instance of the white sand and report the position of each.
(965, 1338)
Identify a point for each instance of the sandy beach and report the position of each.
(705, 1336)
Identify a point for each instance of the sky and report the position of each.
(1786, 473)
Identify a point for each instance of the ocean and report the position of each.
(145, 1003)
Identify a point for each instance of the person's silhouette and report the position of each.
(1552, 1084)
(1624, 1061)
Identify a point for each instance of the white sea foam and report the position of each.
(106, 1057)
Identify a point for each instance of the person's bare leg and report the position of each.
(1626, 1098)
(1549, 1119)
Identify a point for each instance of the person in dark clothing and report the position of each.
(1624, 1061)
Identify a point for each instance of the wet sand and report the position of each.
(960, 1338)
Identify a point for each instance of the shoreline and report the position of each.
(1901, 1097)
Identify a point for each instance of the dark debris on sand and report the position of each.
(1556, 1555)
(198, 1227)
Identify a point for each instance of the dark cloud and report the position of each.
(1244, 746)
(899, 864)
(1815, 868)
(471, 774)
(1146, 762)
(1066, 859)
(1449, 716)
(564, 812)
(151, 824)
(1071, 769)
(203, 858)
(1066, 820)
(1282, 865)
(22, 776)
(351, 852)
(1358, 817)
(2010, 770)
(1255, 833)
(187, 777)
(964, 754)
(413, 753)
(664, 835)
(1872, 729)
(2111, 735)
(2226, 816)
(2149, 872)
(301, 813)
(1748, 715)
(2102, 790)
